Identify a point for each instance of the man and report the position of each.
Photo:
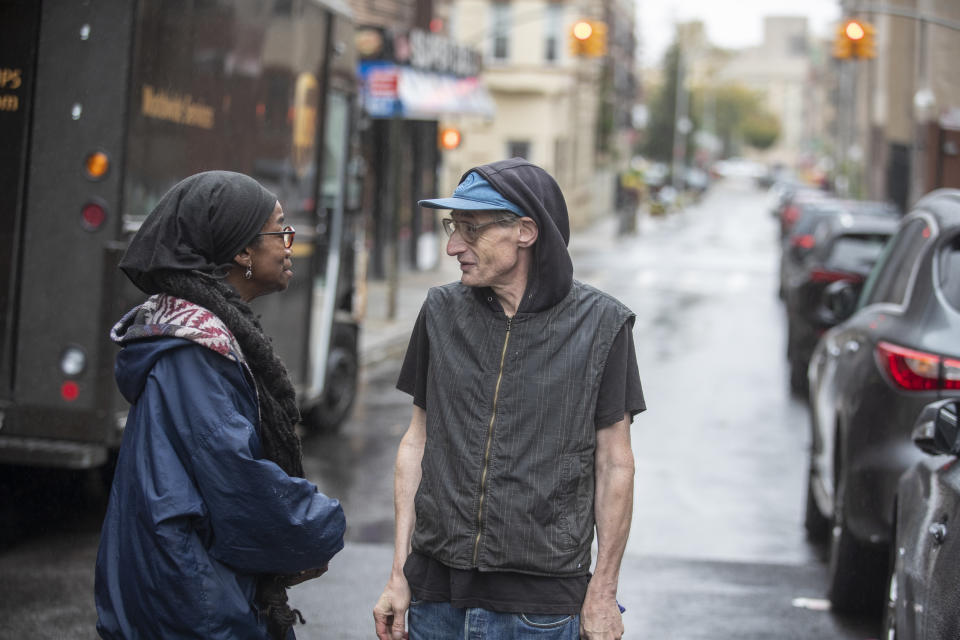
(524, 384)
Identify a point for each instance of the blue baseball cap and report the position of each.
(474, 194)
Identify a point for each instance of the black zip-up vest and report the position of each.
(508, 465)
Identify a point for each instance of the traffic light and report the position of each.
(854, 39)
(865, 47)
(842, 45)
(588, 38)
(450, 138)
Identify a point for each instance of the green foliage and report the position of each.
(761, 130)
(739, 117)
(658, 144)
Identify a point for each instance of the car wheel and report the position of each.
(856, 573)
(334, 407)
(816, 524)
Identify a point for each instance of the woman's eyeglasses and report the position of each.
(287, 233)
(469, 231)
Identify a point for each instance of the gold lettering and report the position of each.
(10, 78)
(176, 108)
(9, 102)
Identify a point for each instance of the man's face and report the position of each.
(492, 258)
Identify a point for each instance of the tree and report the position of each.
(761, 130)
(658, 144)
(739, 117)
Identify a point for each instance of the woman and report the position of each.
(209, 516)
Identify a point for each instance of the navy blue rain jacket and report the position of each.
(196, 511)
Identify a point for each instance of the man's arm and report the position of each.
(391, 608)
(613, 509)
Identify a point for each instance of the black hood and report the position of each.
(537, 193)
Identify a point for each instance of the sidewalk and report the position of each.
(383, 339)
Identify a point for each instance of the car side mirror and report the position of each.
(840, 299)
(935, 431)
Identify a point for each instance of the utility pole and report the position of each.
(681, 123)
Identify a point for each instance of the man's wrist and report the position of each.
(602, 588)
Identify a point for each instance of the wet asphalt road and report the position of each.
(717, 547)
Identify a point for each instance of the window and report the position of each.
(856, 253)
(889, 279)
(798, 45)
(518, 149)
(950, 272)
(553, 32)
(500, 28)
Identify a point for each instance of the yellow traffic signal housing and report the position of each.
(866, 46)
(588, 38)
(855, 39)
(598, 41)
(842, 45)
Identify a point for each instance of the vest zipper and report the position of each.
(486, 453)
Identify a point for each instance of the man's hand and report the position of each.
(391, 609)
(600, 618)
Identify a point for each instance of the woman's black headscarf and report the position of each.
(200, 224)
(193, 233)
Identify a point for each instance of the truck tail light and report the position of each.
(916, 370)
(825, 275)
(93, 216)
(69, 390)
(96, 165)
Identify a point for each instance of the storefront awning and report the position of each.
(390, 89)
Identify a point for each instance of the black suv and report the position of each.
(869, 378)
(840, 248)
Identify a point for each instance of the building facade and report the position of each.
(780, 69)
(569, 114)
(904, 104)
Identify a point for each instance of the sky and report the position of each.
(731, 24)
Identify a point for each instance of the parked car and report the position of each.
(797, 241)
(840, 248)
(804, 212)
(793, 204)
(924, 583)
(869, 377)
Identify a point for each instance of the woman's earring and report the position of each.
(249, 273)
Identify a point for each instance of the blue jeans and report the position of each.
(443, 621)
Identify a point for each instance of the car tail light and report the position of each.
(790, 215)
(805, 241)
(951, 373)
(825, 275)
(918, 371)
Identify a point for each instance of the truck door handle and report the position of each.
(939, 532)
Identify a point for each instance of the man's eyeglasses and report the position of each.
(469, 231)
(287, 233)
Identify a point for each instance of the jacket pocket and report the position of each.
(568, 518)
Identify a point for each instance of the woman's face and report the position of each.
(269, 260)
